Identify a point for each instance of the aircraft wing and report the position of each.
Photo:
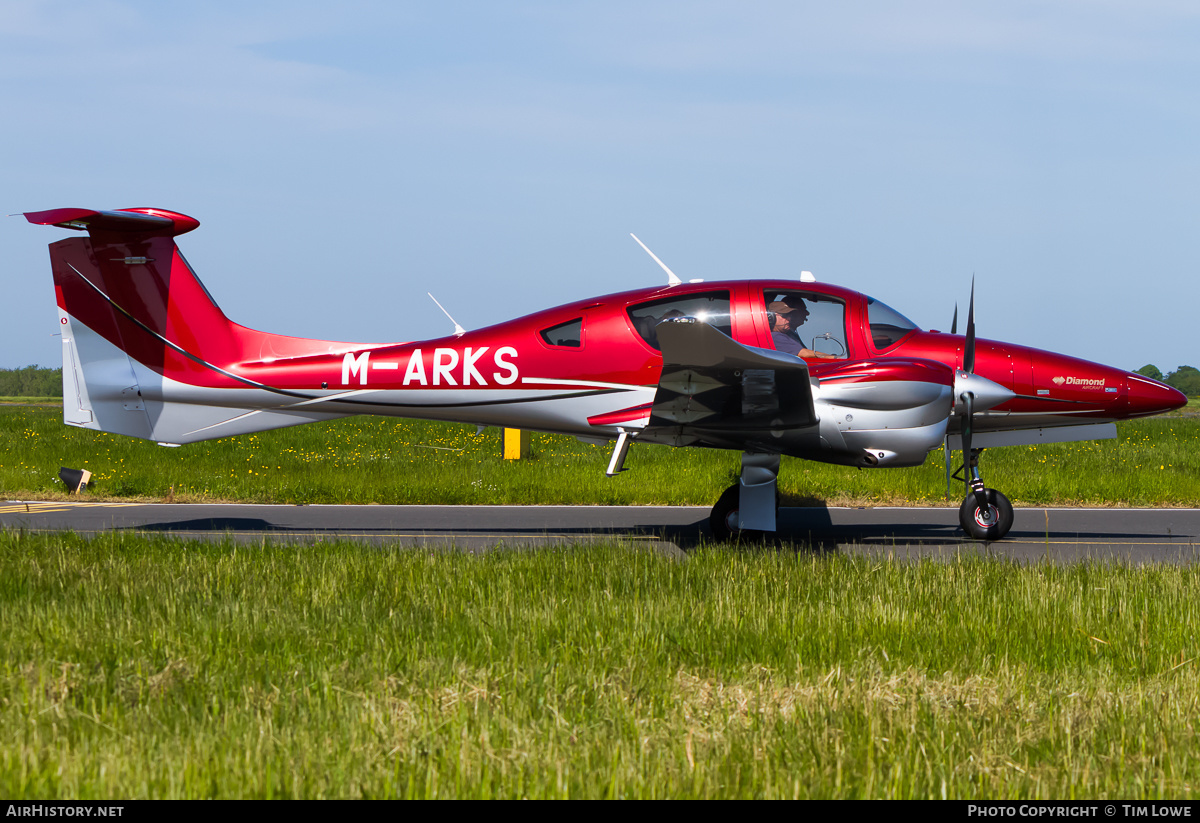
(716, 392)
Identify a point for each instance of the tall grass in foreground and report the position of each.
(385, 460)
(136, 667)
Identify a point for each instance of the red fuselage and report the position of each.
(1050, 389)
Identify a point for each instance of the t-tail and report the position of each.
(146, 350)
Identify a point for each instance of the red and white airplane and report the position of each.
(764, 367)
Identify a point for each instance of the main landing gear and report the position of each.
(748, 509)
(985, 514)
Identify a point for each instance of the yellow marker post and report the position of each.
(516, 443)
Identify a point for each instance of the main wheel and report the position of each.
(724, 518)
(990, 525)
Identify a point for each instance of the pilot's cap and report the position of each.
(786, 306)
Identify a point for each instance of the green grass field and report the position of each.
(137, 667)
(384, 460)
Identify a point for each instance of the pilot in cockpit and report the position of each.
(786, 316)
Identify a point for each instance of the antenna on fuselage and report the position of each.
(458, 330)
(672, 278)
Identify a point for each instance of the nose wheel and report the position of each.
(989, 520)
(985, 514)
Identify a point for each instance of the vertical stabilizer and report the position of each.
(146, 350)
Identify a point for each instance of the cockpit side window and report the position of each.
(806, 324)
(708, 307)
(565, 334)
(888, 326)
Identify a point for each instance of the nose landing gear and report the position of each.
(985, 514)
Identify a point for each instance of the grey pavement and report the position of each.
(1132, 535)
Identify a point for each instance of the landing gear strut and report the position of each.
(748, 508)
(985, 514)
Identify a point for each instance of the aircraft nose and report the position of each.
(1146, 396)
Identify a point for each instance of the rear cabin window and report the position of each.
(708, 307)
(888, 326)
(565, 334)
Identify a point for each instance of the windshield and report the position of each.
(888, 326)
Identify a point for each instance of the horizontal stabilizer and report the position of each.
(150, 222)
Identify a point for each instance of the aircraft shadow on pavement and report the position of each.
(808, 528)
(684, 537)
(801, 529)
(213, 524)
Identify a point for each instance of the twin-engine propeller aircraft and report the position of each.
(764, 367)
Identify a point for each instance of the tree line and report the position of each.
(35, 381)
(31, 381)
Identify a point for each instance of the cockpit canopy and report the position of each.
(888, 326)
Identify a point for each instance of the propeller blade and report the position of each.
(954, 322)
(949, 464)
(968, 413)
(969, 347)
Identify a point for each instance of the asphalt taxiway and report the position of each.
(1132, 535)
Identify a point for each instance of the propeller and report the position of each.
(972, 393)
(985, 513)
(954, 322)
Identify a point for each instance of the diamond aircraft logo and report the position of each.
(1082, 382)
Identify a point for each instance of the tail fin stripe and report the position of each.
(198, 360)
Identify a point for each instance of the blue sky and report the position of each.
(344, 159)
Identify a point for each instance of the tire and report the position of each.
(969, 519)
(723, 520)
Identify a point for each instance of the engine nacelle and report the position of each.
(885, 413)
